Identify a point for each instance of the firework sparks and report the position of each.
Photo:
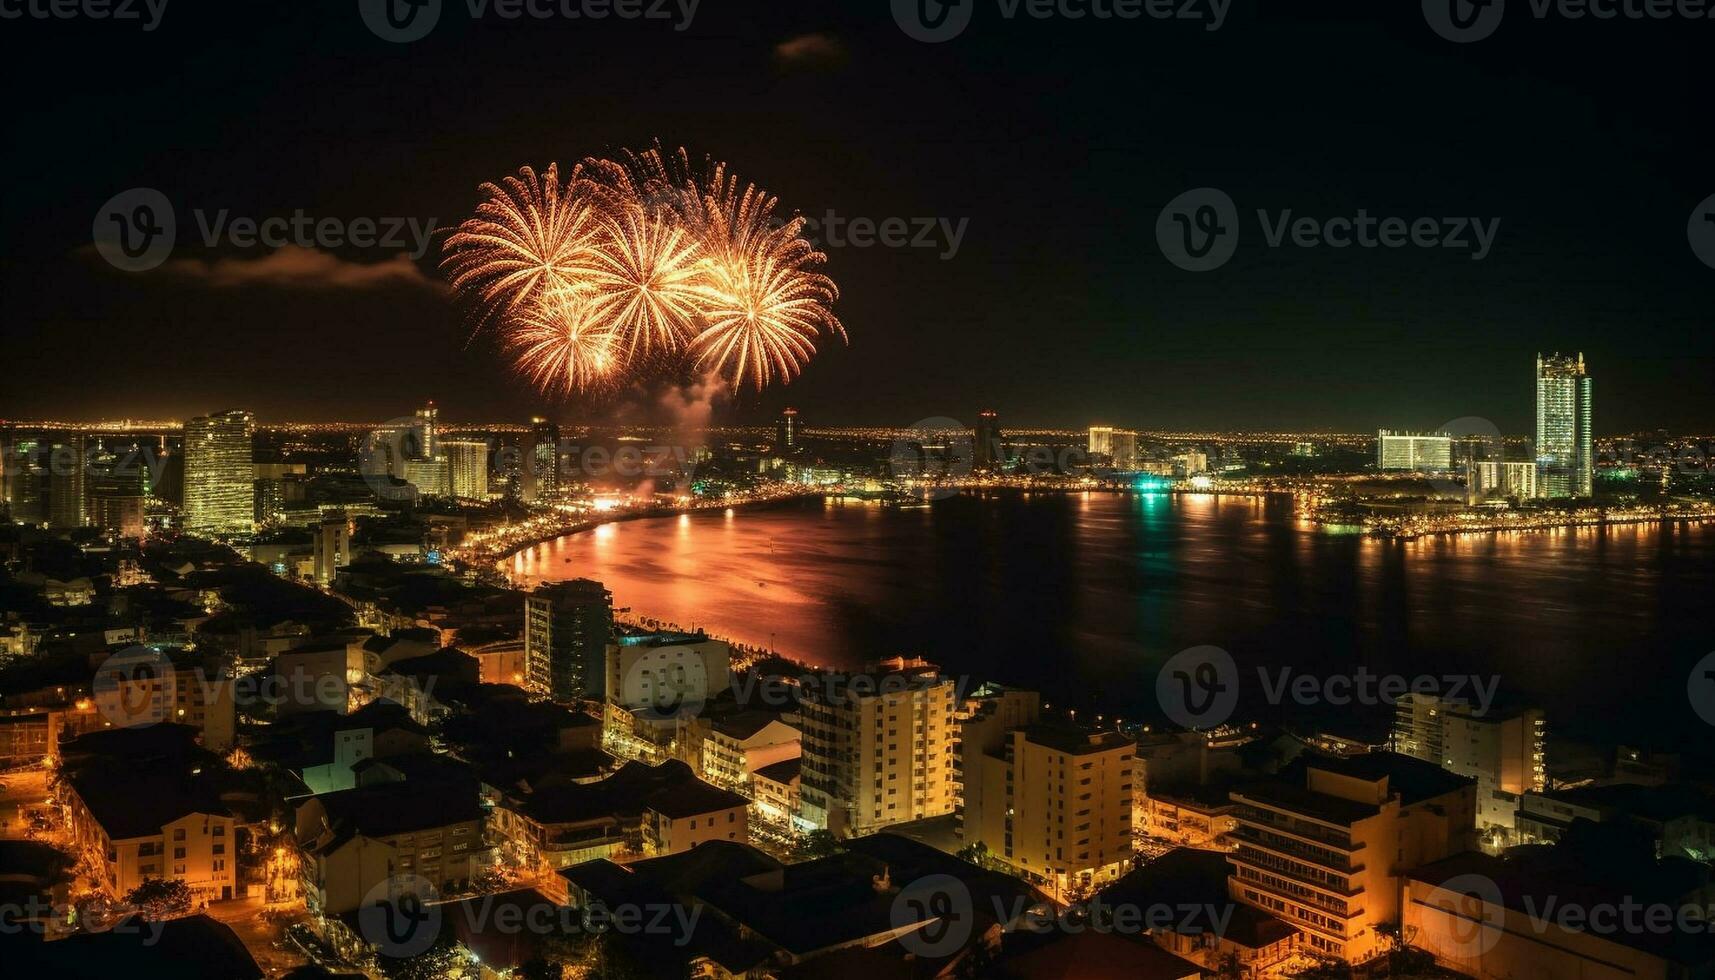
(639, 264)
(529, 238)
(562, 346)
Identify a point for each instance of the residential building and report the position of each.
(138, 686)
(219, 474)
(878, 747)
(1500, 480)
(152, 821)
(1209, 927)
(987, 451)
(638, 810)
(1564, 442)
(739, 744)
(357, 840)
(1119, 446)
(332, 548)
(1324, 847)
(1678, 819)
(775, 793)
(1599, 908)
(566, 630)
(320, 675)
(1504, 750)
(1050, 801)
(1413, 451)
(467, 467)
(28, 738)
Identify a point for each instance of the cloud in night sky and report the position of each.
(811, 52)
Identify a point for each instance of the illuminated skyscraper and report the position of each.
(423, 444)
(67, 461)
(1564, 449)
(467, 466)
(987, 450)
(1119, 445)
(786, 433)
(220, 492)
(541, 464)
(566, 629)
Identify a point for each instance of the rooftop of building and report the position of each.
(743, 724)
(1074, 740)
(1599, 866)
(137, 800)
(388, 809)
(192, 948)
(1088, 955)
(1189, 878)
(1413, 780)
(1658, 803)
(670, 789)
(782, 772)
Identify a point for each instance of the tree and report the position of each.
(820, 843)
(158, 898)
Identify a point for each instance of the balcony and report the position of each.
(1337, 866)
(1294, 889)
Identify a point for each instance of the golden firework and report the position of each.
(530, 237)
(560, 344)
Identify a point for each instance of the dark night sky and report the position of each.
(1059, 140)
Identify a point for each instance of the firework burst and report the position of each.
(639, 264)
(529, 238)
(560, 344)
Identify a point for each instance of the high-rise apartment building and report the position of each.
(1413, 451)
(1502, 749)
(786, 435)
(1118, 445)
(422, 442)
(1500, 480)
(467, 467)
(567, 626)
(67, 472)
(220, 474)
(1326, 846)
(878, 747)
(986, 446)
(1052, 802)
(331, 549)
(539, 470)
(1564, 442)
